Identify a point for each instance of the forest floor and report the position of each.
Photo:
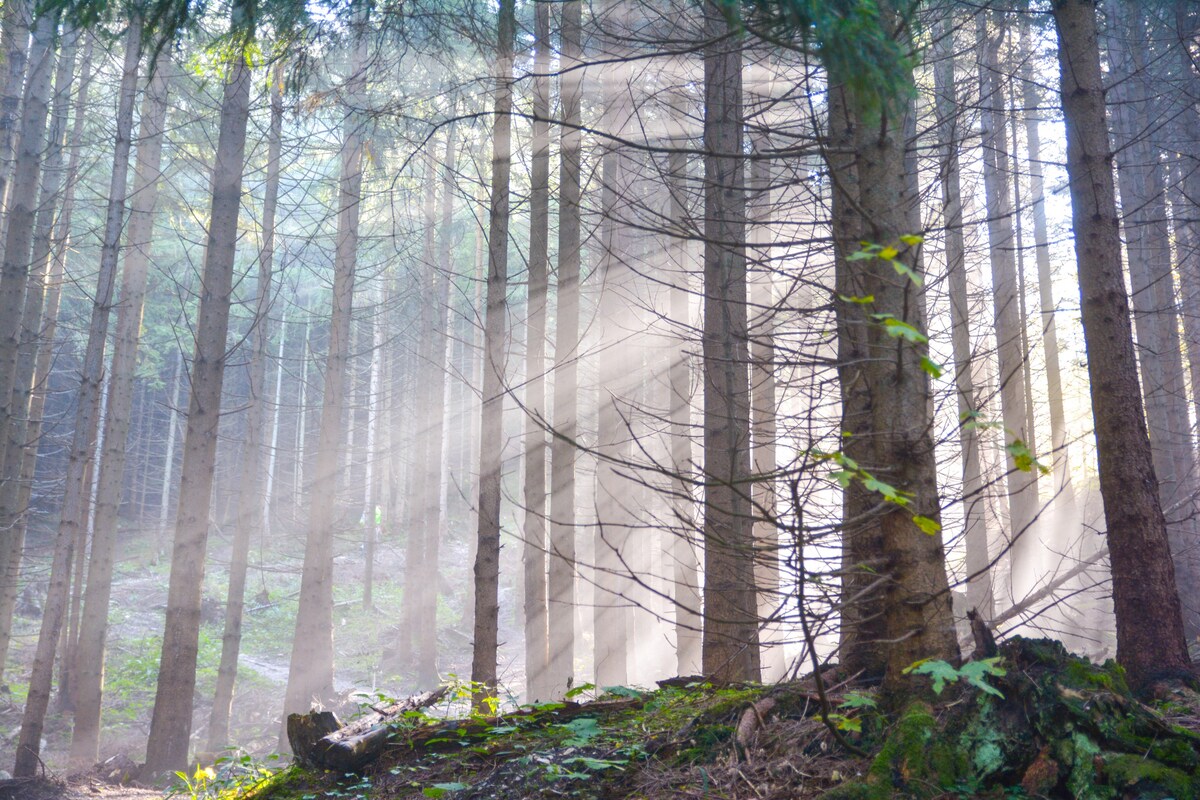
(1035, 722)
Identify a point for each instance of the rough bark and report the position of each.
(1149, 620)
(888, 396)
(171, 721)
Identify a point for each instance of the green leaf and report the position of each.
(583, 730)
(929, 526)
(861, 255)
(899, 329)
(931, 367)
(912, 240)
(1023, 458)
(844, 477)
(623, 691)
(939, 671)
(578, 690)
(858, 700)
(888, 253)
(974, 672)
(889, 492)
(907, 271)
(845, 723)
(440, 789)
(861, 301)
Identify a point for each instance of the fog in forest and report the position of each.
(360, 349)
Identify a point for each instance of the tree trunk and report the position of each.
(537, 637)
(730, 646)
(487, 554)
(14, 41)
(1148, 254)
(886, 394)
(1041, 239)
(74, 515)
(560, 611)
(171, 722)
(89, 656)
(250, 502)
(1150, 635)
(38, 317)
(975, 534)
(310, 674)
(1022, 496)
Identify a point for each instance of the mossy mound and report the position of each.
(1064, 728)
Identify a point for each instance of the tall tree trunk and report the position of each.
(887, 397)
(1041, 239)
(74, 515)
(487, 554)
(1150, 634)
(975, 534)
(250, 517)
(1022, 495)
(171, 722)
(730, 647)
(310, 674)
(537, 637)
(93, 629)
(683, 549)
(1148, 254)
(20, 454)
(21, 207)
(560, 611)
(14, 41)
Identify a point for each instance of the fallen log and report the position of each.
(320, 740)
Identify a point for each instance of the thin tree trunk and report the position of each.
(1150, 634)
(560, 609)
(975, 534)
(88, 676)
(310, 674)
(171, 721)
(14, 41)
(487, 554)
(1022, 496)
(537, 636)
(74, 515)
(730, 648)
(1041, 239)
(20, 454)
(250, 518)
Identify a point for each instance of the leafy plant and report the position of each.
(973, 672)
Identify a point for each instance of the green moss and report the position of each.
(1081, 674)
(1151, 779)
(1078, 752)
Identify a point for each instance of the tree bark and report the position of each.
(171, 722)
(310, 674)
(1150, 634)
(730, 644)
(88, 676)
(975, 534)
(74, 514)
(560, 612)
(250, 513)
(487, 554)
(537, 636)
(1011, 355)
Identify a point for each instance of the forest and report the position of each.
(776, 378)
